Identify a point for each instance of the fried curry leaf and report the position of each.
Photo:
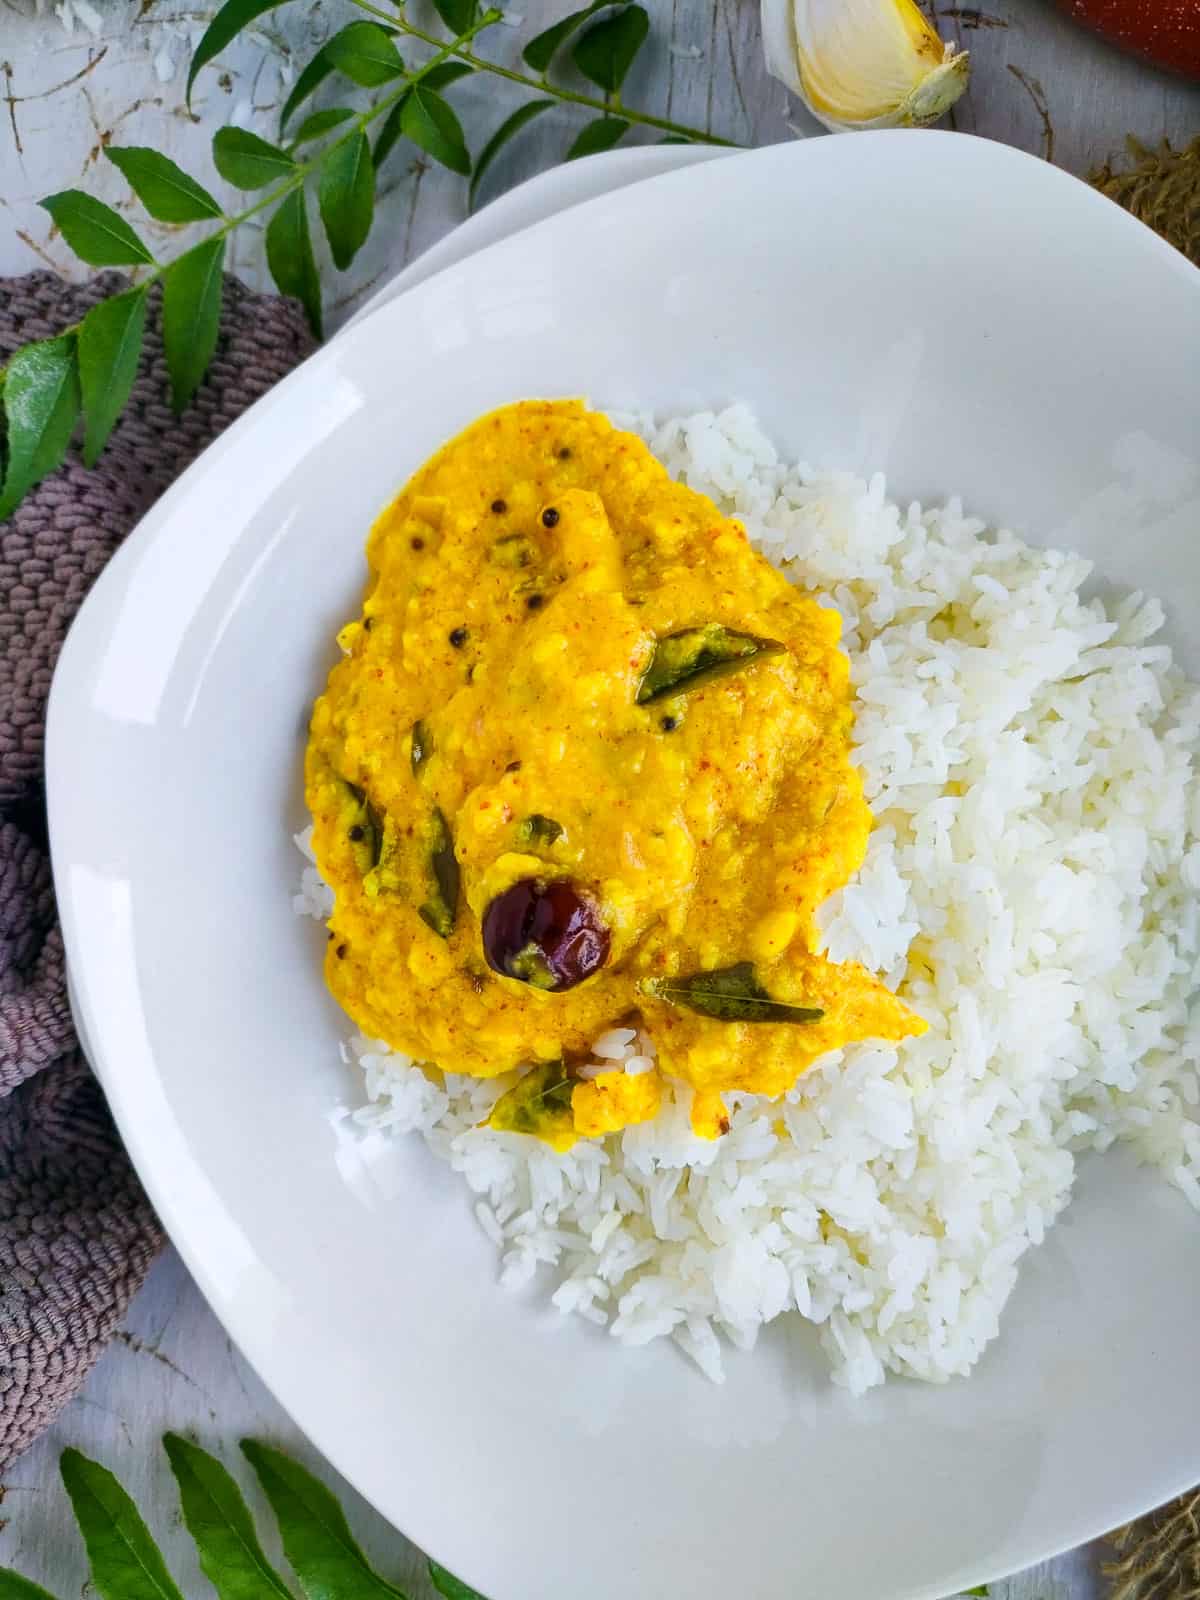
(441, 909)
(539, 1105)
(730, 994)
(693, 656)
(422, 745)
(514, 550)
(364, 827)
(537, 829)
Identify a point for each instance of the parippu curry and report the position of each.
(586, 758)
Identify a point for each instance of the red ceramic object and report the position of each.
(1166, 32)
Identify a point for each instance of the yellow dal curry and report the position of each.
(586, 760)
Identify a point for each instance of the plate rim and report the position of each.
(130, 553)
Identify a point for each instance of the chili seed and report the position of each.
(549, 517)
(499, 507)
(356, 832)
(458, 638)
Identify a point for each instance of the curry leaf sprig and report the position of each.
(86, 372)
(126, 1563)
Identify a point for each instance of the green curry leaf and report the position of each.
(346, 198)
(110, 342)
(191, 315)
(458, 15)
(316, 1536)
(448, 1585)
(97, 234)
(607, 50)
(312, 75)
(41, 401)
(222, 30)
(543, 47)
(290, 256)
(246, 161)
(220, 1525)
(430, 121)
(596, 136)
(126, 1563)
(321, 122)
(365, 53)
(730, 994)
(165, 190)
(507, 130)
(14, 1587)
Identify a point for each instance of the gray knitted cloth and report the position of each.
(76, 1233)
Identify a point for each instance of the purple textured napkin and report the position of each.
(76, 1232)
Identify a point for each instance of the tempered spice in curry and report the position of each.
(469, 740)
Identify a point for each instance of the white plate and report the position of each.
(958, 313)
(537, 198)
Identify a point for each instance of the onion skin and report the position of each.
(1166, 32)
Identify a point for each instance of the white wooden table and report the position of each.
(1038, 83)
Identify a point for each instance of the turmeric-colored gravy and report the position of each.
(586, 760)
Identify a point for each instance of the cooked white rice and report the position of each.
(1030, 885)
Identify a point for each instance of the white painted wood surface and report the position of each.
(1038, 83)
